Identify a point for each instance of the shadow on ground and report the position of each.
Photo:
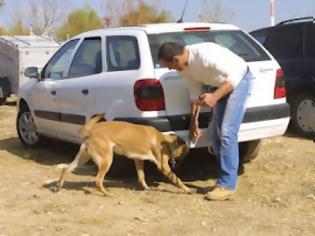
(11, 103)
(293, 134)
(198, 165)
(50, 154)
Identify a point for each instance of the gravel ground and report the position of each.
(276, 193)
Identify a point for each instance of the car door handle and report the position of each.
(53, 92)
(85, 91)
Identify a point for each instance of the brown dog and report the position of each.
(137, 142)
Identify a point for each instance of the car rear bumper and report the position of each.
(181, 122)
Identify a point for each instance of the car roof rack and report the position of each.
(308, 18)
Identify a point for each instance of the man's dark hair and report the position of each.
(168, 50)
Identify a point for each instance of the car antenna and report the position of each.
(184, 10)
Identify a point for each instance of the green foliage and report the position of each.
(19, 28)
(79, 21)
(144, 14)
(135, 12)
(2, 31)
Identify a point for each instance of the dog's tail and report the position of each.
(85, 129)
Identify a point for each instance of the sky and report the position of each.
(246, 14)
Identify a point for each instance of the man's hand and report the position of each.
(196, 133)
(207, 99)
(211, 99)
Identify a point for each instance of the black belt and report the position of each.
(247, 71)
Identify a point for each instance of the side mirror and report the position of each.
(31, 72)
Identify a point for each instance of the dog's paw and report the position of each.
(188, 190)
(106, 194)
(55, 189)
(146, 188)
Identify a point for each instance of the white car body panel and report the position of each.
(113, 92)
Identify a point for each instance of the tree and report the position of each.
(130, 12)
(44, 15)
(79, 21)
(18, 28)
(213, 11)
(2, 31)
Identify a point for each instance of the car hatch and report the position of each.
(260, 63)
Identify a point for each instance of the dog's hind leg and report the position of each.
(140, 173)
(80, 159)
(103, 163)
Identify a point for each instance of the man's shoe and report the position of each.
(219, 194)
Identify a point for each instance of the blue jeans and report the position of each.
(223, 129)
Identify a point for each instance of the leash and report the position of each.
(192, 141)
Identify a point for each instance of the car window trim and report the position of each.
(66, 67)
(66, 76)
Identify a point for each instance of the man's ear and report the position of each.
(176, 59)
(162, 62)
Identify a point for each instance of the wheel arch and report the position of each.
(22, 104)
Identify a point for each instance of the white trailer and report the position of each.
(16, 54)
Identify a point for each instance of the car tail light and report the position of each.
(280, 91)
(149, 95)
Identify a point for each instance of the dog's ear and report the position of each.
(180, 141)
(102, 115)
(177, 146)
(167, 147)
(174, 140)
(170, 142)
(170, 138)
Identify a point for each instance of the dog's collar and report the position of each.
(172, 160)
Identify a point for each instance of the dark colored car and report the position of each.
(292, 43)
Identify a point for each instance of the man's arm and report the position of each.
(211, 99)
(206, 99)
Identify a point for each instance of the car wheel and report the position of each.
(249, 150)
(303, 114)
(3, 100)
(26, 128)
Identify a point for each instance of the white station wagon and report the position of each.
(115, 70)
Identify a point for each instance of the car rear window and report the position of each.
(236, 41)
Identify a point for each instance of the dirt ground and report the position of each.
(276, 193)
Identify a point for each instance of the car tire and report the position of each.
(303, 113)
(3, 100)
(27, 130)
(5, 90)
(249, 150)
